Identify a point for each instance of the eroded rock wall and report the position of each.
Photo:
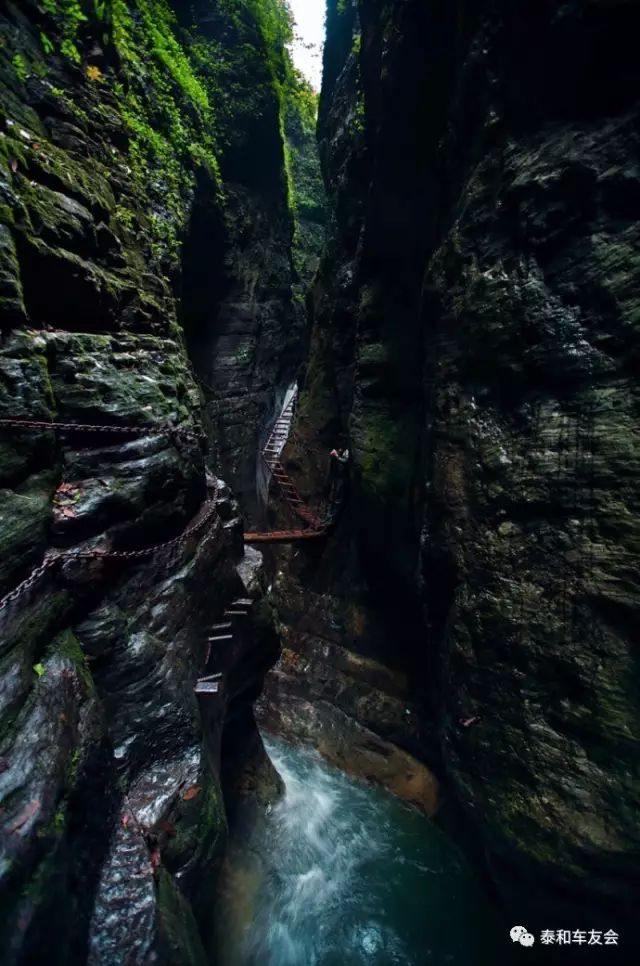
(531, 539)
(113, 821)
(244, 330)
(475, 335)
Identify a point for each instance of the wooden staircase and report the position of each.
(315, 526)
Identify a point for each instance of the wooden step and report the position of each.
(220, 637)
(222, 627)
(207, 687)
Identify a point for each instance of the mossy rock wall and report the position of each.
(111, 148)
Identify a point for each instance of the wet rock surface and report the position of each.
(475, 338)
(346, 744)
(531, 523)
(112, 818)
(474, 607)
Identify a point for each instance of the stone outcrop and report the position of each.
(112, 819)
(475, 334)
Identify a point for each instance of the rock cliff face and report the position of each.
(112, 818)
(474, 341)
(243, 328)
(476, 335)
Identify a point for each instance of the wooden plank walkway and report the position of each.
(283, 536)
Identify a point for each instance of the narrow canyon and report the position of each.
(319, 483)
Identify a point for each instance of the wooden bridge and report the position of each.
(315, 526)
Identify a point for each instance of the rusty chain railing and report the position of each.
(147, 430)
(54, 557)
(28, 582)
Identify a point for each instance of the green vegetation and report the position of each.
(20, 67)
(47, 45)
(207, 89)
(69, 16)
(245, 57)
(185, 95)
(171, 129)
(301, 103)
(54, 830)
(307, 192)
(67, 645)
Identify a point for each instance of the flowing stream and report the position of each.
(342, 874)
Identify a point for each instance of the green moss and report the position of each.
(167, 91)
(55, 828)
(67, 645)
(45, 380)
(72, 767)
(171, 133)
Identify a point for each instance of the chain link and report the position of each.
(91, 428)
(53, 557)
(28, 582)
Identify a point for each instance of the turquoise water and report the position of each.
(342, 874)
